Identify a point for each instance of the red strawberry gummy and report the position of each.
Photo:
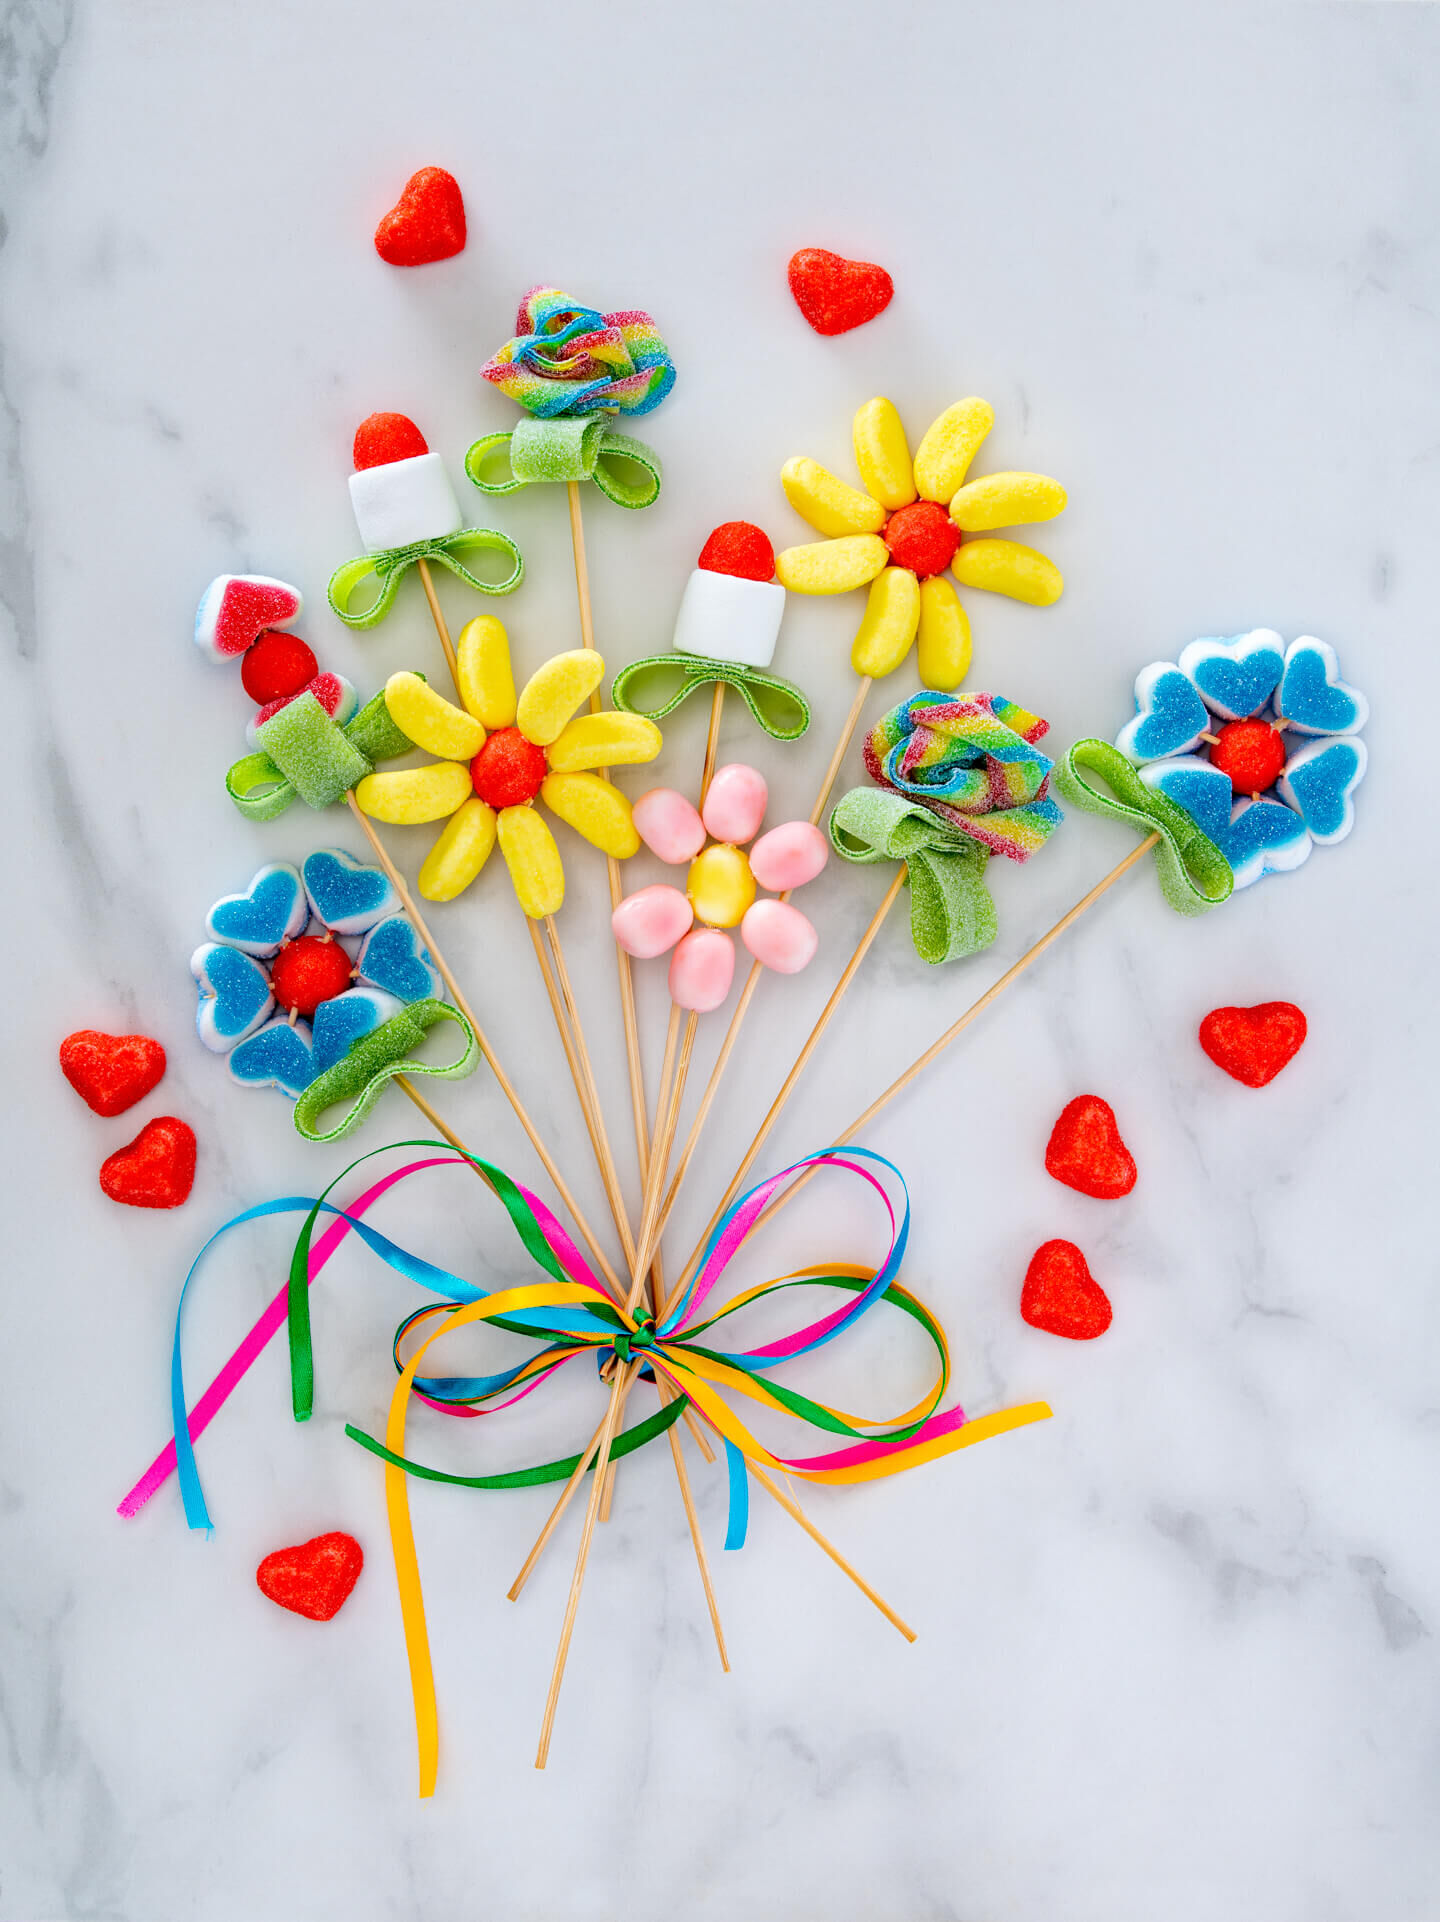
(1253, 1044)
(277, 667)
(111, 1072)
(156, 1169)
(1062, 1296)
(308, 971)
(1252, 753)
(426, 223)
(836, 294)
(314, 1579)
(1086, 1152)
(740, 548)
(922, 537)
(508, 770)
(383, 438)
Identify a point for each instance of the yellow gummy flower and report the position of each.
(915, 519)
(500, 753)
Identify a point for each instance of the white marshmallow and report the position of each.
(404, 501)
(725, 618)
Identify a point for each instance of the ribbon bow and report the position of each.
(778, 706)
(971, 759)
(576, 448)
(1194, 874)
(303, 753)
(951, 912)
(370, 1064)
(389, 564)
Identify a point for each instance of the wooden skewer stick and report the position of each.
(437, 615)
(667, 1395)
(797, 1513)
(397, 881)
(712, 739)
(651, 1225)
(609, 1173)
(975, 1009)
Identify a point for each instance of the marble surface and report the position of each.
(1178, 1646)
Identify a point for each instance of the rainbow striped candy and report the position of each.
(972, 760)
(567, 359)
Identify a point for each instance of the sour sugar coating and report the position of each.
(427, 222)
(334, 693)
(236, 609)
(400, 491)
(308, 971)
(731, 610)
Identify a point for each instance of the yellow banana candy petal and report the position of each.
(461, 851)
(832, 567)
(944, 636)
(883, 455)
(1006, 500)
(892, 614)
(827, 503)
(949, 447)
(604, 740)
(595, 810)
(554, 691)
(533, 860)
(431, 721)
(483, 674)
(413, 795)
(720, 886)
(1007, 567)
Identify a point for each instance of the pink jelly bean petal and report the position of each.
(669, 825)
(701, 970)
(779, 936)
(735, 805)
(789, 856)
(648, 923)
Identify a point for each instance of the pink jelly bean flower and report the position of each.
(720, 888)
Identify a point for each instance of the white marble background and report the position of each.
(1178, 1647)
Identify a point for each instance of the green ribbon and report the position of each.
(1194, 874)
(778, 707)
(362, 1075)
(391, 563)
(951, 912)
(262, 785)
(625, 1443)
(581, 447)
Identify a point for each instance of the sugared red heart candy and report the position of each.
(315, 1578)
(426, 223)
(156, 1169)
(836, 294)
(1062, 1296)
(1086, 1152)
(111, 1072)
(1253, 1044)
(739, 548)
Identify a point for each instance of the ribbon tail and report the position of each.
(739, 1522)
(348, 577)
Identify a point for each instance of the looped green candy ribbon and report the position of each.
(302, 752)
(388, 566)
(579, 447)
(1194, 874)
(362, 1075)
(778, 706)
(951, 912)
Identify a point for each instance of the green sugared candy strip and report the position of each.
(575, 449)
(311, 752)
(951, 912)
(263, 785)
(668, 679)
(374, 733)
(1194, 874)
(363, 1075)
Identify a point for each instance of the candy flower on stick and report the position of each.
(725, 635)
(914, 520)
(499, 754)
(720, 888)
(408, 516)
(328, 947)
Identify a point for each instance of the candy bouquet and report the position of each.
(322, 981)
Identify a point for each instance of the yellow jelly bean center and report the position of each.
(720, 886)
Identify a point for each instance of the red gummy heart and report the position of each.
(1253, 1044)
(740, 548)
(314, 1579)
(1086, 1152)
(381, 439)
(426, 223)
(1062, 1296)
(111, 1072)
(156, 1169)
(247, 607)
(836, 294)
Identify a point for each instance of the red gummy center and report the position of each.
(1252, 753)
(277, 666)
(922, 537)
(740, 548)
(308, 972)
(508, 770)
(383, 438)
